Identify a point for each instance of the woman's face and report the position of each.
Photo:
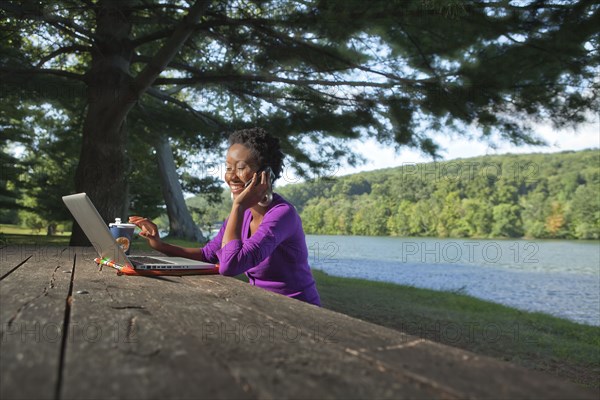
(240, 166)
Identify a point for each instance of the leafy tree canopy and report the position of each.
(315, 73)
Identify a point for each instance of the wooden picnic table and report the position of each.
(70, 331)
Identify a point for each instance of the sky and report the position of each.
(378, 156)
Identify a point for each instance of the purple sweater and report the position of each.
(274, 258)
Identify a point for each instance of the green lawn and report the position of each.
(15, 235)
(533, 340)
(19, 230)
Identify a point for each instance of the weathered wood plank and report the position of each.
(33, 301)
(450, 371)
(127, 341)
(178, 315)
(145, 338)
(12, 256)
(244, 350)
(295, 361)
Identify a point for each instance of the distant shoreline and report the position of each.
(504, 238)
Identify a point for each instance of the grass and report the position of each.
(20, 230)
(16, 235)
(533, 340)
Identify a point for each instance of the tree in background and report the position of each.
(475, 204)
(398, 223)
(586, 213)
(477, 218)
(534, 213)
(14, 130)
(312, 72)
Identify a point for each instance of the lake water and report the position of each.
(561, 277)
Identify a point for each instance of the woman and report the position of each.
(263, 234)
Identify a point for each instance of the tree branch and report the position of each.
(31, 71)
(62, 50)
(173, 64)
(163, 33)
(64, 23)
(146, 6)
(37, 14)
(242, 94)
(165, 97)
(205, 78)
(312, 47)
(261, 26)
(168, 51)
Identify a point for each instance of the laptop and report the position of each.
(106, 246)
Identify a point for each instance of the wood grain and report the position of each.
(215, 337)
(129, 341)
(33, 301)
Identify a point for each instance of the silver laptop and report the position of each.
(106, 246)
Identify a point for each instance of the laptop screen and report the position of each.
(95, 228)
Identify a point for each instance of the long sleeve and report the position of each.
(214, 245)
(275, 257)
(277, 225)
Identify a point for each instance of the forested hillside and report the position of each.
(532, 195)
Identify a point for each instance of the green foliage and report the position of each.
(534, 195)
(507, 221)
(585, 211)
(208, 213)
(314, 73)
(32, 221)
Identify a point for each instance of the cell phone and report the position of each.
(269, 172)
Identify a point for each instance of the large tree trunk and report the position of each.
(103, 163)
(181, 224)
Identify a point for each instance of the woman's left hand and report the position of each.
(254, 193)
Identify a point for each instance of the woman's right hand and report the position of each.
(149, 230)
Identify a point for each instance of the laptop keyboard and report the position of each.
(141, 260)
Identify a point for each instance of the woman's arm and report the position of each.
(233, 231)
(150, 232)
(278, 225)
(195, 253)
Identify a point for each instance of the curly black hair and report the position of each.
(264, 147)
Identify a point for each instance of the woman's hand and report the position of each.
(149, 230)
(254, 192)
